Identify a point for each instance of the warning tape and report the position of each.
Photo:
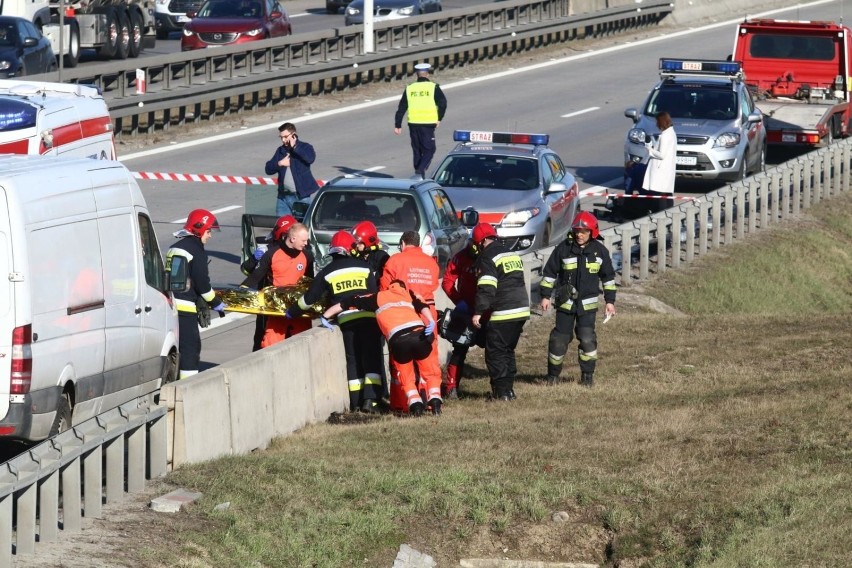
(207, 178)
(628, 195)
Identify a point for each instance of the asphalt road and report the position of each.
(577, 94)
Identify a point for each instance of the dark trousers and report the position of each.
(567, 326)
(501, 339)
(189, 342)
(259, 331)
(362, 342)
(661, 202)
(422, 145)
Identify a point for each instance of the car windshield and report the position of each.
(488, 171)
(389, 212)
(696, 102)
(243, 9)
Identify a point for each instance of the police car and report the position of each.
(720, 133)
(516, 183)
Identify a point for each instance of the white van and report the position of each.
(54, 119)
(86, 321)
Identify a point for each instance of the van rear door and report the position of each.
(7, 312)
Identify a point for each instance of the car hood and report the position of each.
(493, 200)
(378, 4)
(692, 126)
(225, 25)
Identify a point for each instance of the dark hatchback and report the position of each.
(23, 50)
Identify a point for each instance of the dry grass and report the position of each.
(721, 438)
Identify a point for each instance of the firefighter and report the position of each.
(343, 278)
(286, 261)
(419, 272)
(459, 284)
(370, 248)
(196, 232)
(401, 317)
(500, 289)
(573, 273)
(248, 266)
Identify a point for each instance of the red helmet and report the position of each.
(200, 221)
(282, 225)
(483, 231)
(342, 243)
(366, 232)
(585, 220)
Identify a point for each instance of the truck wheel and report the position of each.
(71, 58)
(62, 422)
(135, 46)
(107, 50)
(122, 43)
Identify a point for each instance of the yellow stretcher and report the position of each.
(270, 301)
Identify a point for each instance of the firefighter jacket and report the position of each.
(500, 286)
(397, 310)
(376, 257)
(459, 282)
(281, 266)
(342, 279)
(573, 275)
(198, 281)
(417, 269)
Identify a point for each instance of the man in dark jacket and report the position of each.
(298, 157)
(502, 291)
(575, 270)
(196, 232)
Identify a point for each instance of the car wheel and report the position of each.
(548, 233)
(71, 58)
(135, 46)
(62, 422)
(171, 374)
(761, 164)
(742, 174)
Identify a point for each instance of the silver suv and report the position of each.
(720, 133)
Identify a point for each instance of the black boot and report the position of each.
(552, 380)
(587, 380)
(435, 404)
(416, 409)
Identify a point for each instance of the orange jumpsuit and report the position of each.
(398, 316)
(419, 271)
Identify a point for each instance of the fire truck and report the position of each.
(799, 74)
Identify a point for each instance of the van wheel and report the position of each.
(171, 374)
(62, 422)
(71, 58)
(134, 48)
(122, 41)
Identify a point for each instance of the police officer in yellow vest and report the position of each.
(426, 104)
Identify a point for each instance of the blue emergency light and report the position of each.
(699, 67)
(485, 137)
(16, 115)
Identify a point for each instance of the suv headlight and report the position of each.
(253, 33)
(519, 218)
(637, 135)
(4, 65)
(352, 11)
(408, 10)
(727, 140)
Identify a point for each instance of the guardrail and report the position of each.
(49, 478)
(194, 86)
(668, 239)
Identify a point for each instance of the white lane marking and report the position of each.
(579, 112)
(465, 82)
(299, 15)
(215, 212)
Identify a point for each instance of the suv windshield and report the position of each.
(393, 212)
(694, 101)
(488, 171)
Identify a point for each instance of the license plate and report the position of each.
(183, 19)
(476, 136)
(788, 138)
(692, 66)
(686, 160)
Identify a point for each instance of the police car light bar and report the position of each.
(500, 137)
(699, 67)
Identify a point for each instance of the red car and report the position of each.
(229, 22)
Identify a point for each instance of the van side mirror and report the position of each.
(177, 279)
(470, 218)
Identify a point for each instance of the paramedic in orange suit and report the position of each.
(419, 272)
(401, 317)
(287, 261)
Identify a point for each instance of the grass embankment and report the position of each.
(720, 438)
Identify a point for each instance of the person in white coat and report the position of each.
(660, 175)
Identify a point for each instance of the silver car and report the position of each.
(515, 182)
(720, 133)
(389, 10)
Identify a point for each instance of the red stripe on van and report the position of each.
(79, 130)
(16, 147)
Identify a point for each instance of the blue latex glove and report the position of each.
(462, 306)
(325, 323)
(288, 314)
(221, 309)
(430, 329)
(258, 254)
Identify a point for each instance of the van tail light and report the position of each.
(22, 360)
